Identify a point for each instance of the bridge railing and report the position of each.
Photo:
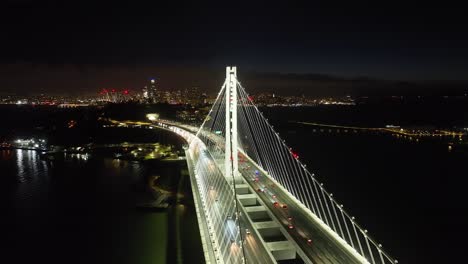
(216, 197)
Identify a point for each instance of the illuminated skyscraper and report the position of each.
(150, 92)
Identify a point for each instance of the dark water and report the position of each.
(410, 196)
(80, 210)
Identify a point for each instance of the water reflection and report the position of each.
(79, 199)
(20, 166)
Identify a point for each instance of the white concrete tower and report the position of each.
(231, 160)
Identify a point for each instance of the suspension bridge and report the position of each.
(255, 201)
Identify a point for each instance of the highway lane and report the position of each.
(316, 242)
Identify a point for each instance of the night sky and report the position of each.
(81, 48)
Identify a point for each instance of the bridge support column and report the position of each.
(231, 159)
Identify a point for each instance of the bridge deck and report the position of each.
(323, 248)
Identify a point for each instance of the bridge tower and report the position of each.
(231, 159)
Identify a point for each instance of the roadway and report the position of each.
(318, 245)
(315, 242)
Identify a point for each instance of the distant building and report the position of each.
(150, 92)
(193, 96)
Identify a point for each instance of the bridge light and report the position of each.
(295, 155)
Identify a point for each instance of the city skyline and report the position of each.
(22, 79)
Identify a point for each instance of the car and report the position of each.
(290, 226)
(275, 204)
(309, 241)
(284, 206)
(290, 218)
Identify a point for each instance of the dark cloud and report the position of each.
(384, 41)
(83, 79)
